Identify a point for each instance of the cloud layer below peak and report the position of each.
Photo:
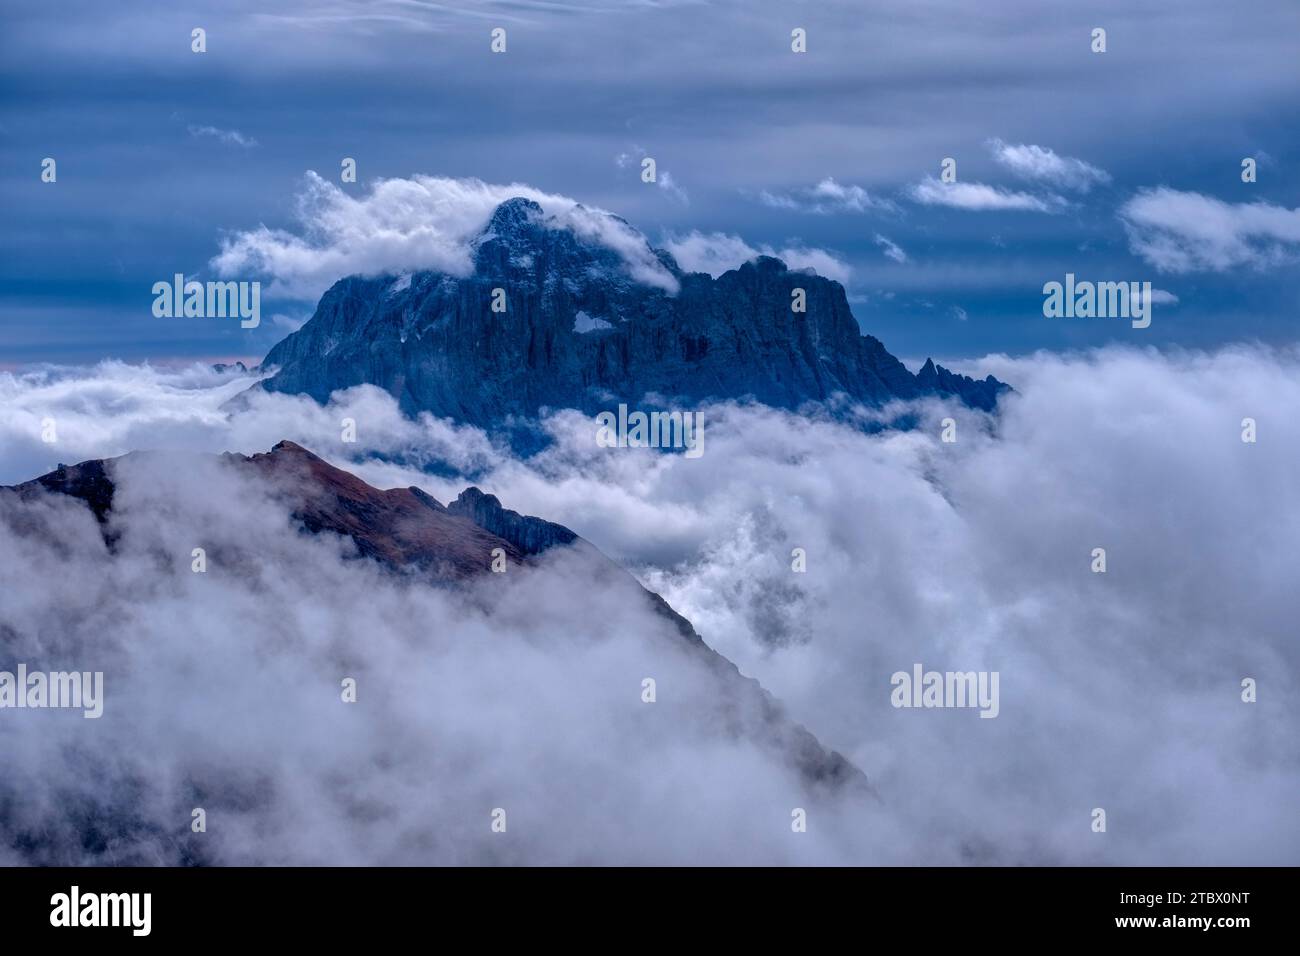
(915, 553)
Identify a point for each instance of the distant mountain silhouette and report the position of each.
(578, 331)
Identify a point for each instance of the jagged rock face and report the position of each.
(579, 332)
(530, 535)
(403, 528)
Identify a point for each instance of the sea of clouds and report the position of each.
(1119, 690)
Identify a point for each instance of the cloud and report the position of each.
(231, 137)
(917, 552)
(290, 323)
(718, 252)
(1158, 297)
(1041, 164)
(402, 225)
(669, 185)
(664, 178)
(937, 562)
(1183, 232)
(826, 198)
(959, 313)
(367, 17)
(113, 408)
(891, 249)
(222, 691)
(524, 116)
(977, 197)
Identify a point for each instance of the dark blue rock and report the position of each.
(434, 343)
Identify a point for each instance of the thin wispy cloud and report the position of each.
(371, 17)
(664, 178)
(1158, 297)
(978, 197)
(827, 197)
(1040, 164)
(891, 249)
(290, 323)
(668, 184)
(229, 137)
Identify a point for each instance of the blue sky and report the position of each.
(1116, 166)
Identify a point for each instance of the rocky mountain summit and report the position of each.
(410, 533)
(575, 327)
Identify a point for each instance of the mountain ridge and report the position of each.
(577, 329)
(406, 530)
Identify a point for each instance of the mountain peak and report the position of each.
(592, 316)
(402, 532)
(530, 535)
(768, 264)
(512, 216)
(520, 241)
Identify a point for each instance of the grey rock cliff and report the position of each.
(579, 332)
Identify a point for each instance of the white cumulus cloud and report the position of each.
(825, 198)
(973, 555)
(402, 225)
(1041, 164)
(719, 252)
(1181, 232)
(978, 197)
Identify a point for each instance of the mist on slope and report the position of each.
(1118, 690)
